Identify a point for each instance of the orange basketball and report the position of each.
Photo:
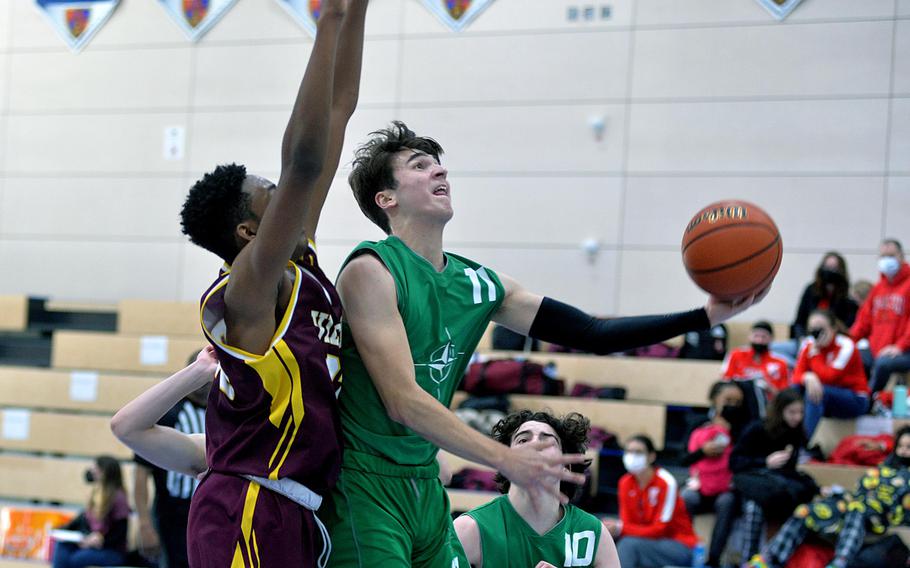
(732, 249)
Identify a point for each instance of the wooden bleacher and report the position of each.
(34, 387)
(13, 313)
(158, 318)
(620, 417)
(46, 478)
(66, 434)
(668, 381)
(120, 352)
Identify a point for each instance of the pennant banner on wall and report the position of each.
(305, 12)
(780, 9)
(195, 17)
(76, 21)
(456, 13)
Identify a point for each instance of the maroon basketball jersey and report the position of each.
(275, 415)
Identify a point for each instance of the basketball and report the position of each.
(732, 249)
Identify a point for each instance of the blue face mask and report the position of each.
(888, 265)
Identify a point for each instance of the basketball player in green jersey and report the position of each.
(522, 528)
(413, 316)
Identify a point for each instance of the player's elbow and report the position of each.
(120, 426)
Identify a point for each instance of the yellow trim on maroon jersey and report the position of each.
(212, 335)
(280, 375)
(246, 529)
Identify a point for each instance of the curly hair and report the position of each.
(572, 430)
(373, 172)
(214, 207)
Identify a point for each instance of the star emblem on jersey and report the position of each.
(442, 360)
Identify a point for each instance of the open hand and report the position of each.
(527, 467)
(720, 311)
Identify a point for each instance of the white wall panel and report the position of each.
(773, 60)
(778, 136)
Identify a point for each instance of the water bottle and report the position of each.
(698, 556)
(899, 406)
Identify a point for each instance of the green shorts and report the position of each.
(384, 514)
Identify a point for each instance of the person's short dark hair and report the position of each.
(644, 440)
(896, 243)
(373, 171)
(214, 207)
(765, 325)
(719, 386)
(572, 430)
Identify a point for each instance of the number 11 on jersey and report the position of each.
(476, 277)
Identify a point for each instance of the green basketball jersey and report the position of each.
(507, 540)
(445, 314)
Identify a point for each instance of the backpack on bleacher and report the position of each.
(508, 376)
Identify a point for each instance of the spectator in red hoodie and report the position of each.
(654, 527)
(883, 318)
(759, 372)
(830, 371)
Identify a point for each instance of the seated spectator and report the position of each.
(710, 484)
(525, 528)
(850, 516)
(761, 373)
(654, 528)
(763, 462)
(104, 521)
(830, 290)
(830, 372)
(884, 316)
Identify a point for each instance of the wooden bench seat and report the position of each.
(35, 387)
(158, 317)
(66, 434)
(121, 352)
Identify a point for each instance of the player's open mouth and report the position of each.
(441, 190)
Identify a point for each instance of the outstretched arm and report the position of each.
(552, 321)
(256, 277)
(136, 424)
(370, 303)
(346, 91)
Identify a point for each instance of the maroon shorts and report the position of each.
(235, 522)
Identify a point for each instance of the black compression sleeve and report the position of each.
(564, 325)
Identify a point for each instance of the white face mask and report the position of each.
(635, 463)
(888, 265)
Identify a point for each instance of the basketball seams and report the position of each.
(770, 228)
(759, 252)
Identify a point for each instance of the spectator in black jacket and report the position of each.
(829, 291)
(769, 445)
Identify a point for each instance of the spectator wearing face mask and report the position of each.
(761, 373)
(883, 318)
(831, 373)
(830, 290)
(654, 528)
(709, 489)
